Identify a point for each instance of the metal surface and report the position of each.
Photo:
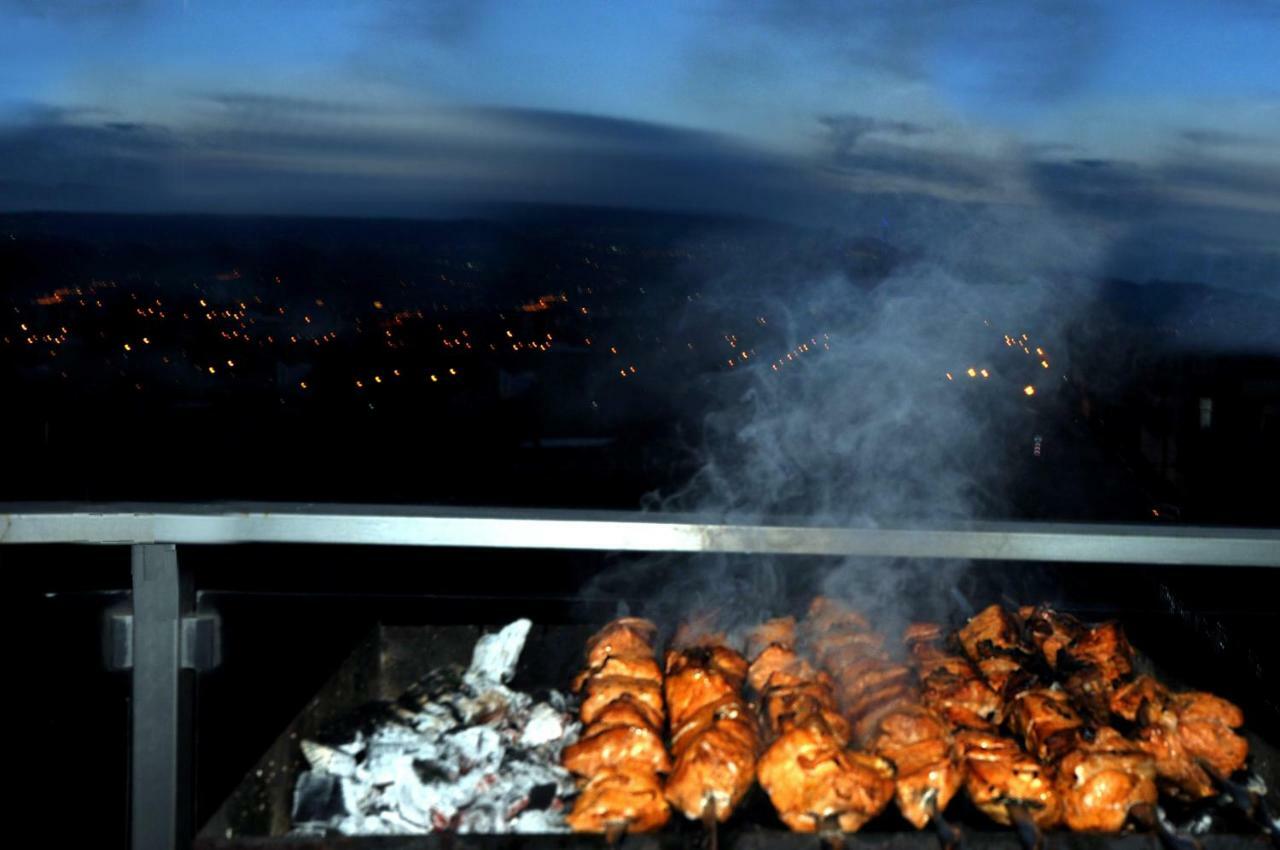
(630, 532)
(160, 781)
(200, 641)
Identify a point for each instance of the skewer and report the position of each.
(948, 833)
(1253, 805)
(614, 831)
(1152, 817)
(830, 833)
(710, 824)
(1025, 825)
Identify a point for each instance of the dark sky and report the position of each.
(1152, 127)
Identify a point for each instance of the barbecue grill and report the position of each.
(1151, 595)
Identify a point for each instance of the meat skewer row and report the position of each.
(813, 780)
(714, 734)
(1002, 779)
(620, 757)
(1101, 777)
(1190, 734)
(882, 702)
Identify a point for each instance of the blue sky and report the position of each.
(1150, 121)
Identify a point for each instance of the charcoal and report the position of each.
(456, 752)
(317, 798)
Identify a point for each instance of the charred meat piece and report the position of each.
(1183, 732)
(1128, 700)
(621, 753)
(778, 666)
(600, 691)
(928, 773)
(620, 799)
(626, 636)
(1046, 722)
(999, 775)
(810, 778)
(1100, 782)
(715, 768)
(1094, 665)
(880, 699)
(1050, 631)
(618, 748)
(991, 641)
(780, 631)
(827, 615)
(714, 737)
(693, 681)
(626, 710)
(785, 706)
(731, 714)
(950, 684)
(634, 666)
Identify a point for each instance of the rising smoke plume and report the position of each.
(863, 427)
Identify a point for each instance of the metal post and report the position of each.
(160, 784)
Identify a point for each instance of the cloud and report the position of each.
(1205, 137)
(445, 22)
(846, 131)
(255, 154)
(1031, 50)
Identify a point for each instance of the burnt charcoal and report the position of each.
(430, 771)
(362, 721)
(432, 687)
(317, 798)
(540, 796)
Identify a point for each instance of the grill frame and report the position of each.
(162, 591)
(391, 658)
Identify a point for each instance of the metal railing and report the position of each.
(161, 630)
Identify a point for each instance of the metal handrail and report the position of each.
(620, 531)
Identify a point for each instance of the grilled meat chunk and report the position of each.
(617, 748)
(811, 778)
(928, 773)
(695, 680)
(780, 631)
(714, 736)
(731, 714)
(791, 704)
(1046, 722)
(626, 636)
(602, 690)
(621, 753)
(633, 666)
(620, 799)
(999, 775)
(1184, 732)
(626, 710)
(991, 641)
(1101, 781)
(778, 666)
(715, 768)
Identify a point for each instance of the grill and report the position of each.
(1170, 610)
(392, 658)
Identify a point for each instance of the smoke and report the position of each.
(858, 409)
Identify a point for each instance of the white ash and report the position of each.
(459, 752)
